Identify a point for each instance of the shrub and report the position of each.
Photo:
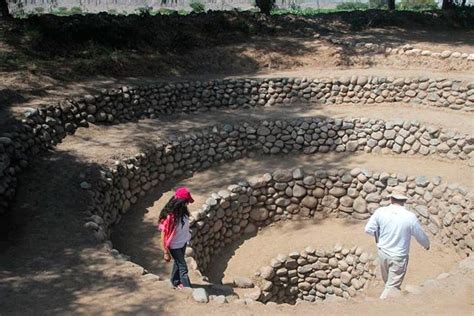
(165, 11)
(295, 6)
(76, 10)
(39, 10)
(302, 11)
(418, 5)
(351, 6)
(144, 11)
(62, 10)
(197, 6)
(377, 4)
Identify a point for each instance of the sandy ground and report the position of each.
(285, 237)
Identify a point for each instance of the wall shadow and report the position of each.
(217, 268)
(57, 56)
(136, 235)
(50, 264)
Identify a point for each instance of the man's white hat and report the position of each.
(398, 193)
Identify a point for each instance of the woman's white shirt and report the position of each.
(182, 236)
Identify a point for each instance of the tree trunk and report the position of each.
(265, 6)
(446, 4)
(391, 4)
(4, 10)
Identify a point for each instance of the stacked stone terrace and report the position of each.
(45, 127)
(183, 156)
(446, 210)
(316, 275)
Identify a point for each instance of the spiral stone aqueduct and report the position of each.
(257, 202)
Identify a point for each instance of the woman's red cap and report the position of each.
(183, 193)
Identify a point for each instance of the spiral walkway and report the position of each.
(288, 164)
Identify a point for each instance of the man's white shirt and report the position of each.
(395, 225)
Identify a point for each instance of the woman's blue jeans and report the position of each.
(179, 274)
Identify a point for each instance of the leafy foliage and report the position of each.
(350, 6)
(39, 10)
(303, 11)
(76, 10)
(197, 6)
(378, 4)
(144, 11)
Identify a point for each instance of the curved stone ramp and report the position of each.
(59, 211)
(45, 127)
(406, 50)
(100, 143)
(92, 300)
(135, 234)
(444, 209)
(415, 191)
(121, 186)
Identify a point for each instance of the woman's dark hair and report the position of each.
(177, 207)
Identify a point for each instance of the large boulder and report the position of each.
(281, 175)
(299, 191)
(259, 214)
(267, 272)
(337, 192)
(309, 202)
(360, 205)
(200, 295)
(243, 282)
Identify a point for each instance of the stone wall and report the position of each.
(128, 103)
(228, 214)
(45, 127)
(405, 50)
(445, 210)
(315, 275)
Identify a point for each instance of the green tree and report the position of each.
(349, 6)
(418, 4)
(197, 6)
(377, 4)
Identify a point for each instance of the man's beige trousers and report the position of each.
(393, 270)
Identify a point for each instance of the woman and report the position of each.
(175, 234)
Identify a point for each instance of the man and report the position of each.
(393, 227)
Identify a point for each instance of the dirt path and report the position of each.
(26, 90)
(102, 143)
